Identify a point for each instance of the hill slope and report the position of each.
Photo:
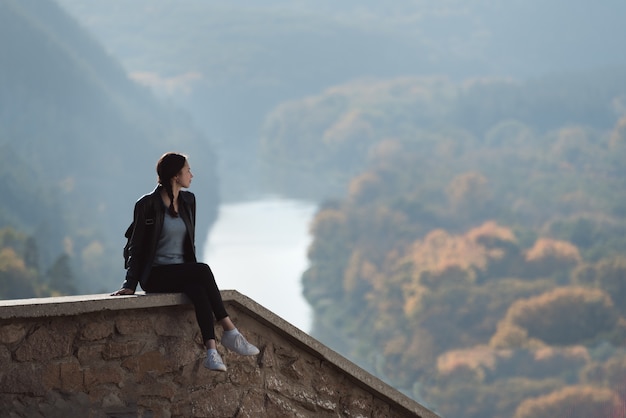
(91, 135)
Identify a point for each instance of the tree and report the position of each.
(550, 257)
(16, 280)
(563, 316)
(31, 253)
(60, 276)
(469, 194)
(611, 277)
(573, 402)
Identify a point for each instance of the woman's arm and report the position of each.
(123, 291)
(136, 250)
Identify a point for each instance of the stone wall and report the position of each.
(141, 356)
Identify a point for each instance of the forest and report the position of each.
(474, 254)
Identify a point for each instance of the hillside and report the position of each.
(477, 233)
(86, 138)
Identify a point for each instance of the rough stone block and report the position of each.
(5, 359)
(293, 391)
(357, 404)
(277, 407)
(134, 324)
(121, 349)
(111, 400)
(326, 383)
(12, 333)
(107, 373)
(295, 370)
(266, 357)
(180, 322)
(114, 396)
(150, 362)
(153, 408)
(51, 376)
(94, 331)
(220, 401)
(189, 376)
(154, 388)
(90, 354)
(71, 375)
(251, 403)
(47, 343)
(58, 404)
(181, 351)
(244, 371)
(23, 378)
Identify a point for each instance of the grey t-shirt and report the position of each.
(170, 245)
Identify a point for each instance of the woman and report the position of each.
(162, 257)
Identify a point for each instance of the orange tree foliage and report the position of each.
(494, 364)
(460, 239)
(19, 275)
(16, 280)
(365, 188)
(468, 397)
(563, 316)
(573, 402)
(449, 286)
(549, 256)
(436, 300)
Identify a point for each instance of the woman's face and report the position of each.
(184, 176)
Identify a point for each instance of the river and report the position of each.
(259, 249)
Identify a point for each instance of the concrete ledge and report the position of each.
(82, 304)
(76, 305)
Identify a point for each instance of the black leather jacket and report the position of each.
(148, 223)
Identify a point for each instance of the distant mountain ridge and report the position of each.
(91, 135)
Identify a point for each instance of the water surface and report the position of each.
(259, 249)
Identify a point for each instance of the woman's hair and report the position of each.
(167, 167)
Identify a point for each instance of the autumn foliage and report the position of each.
(474, 259)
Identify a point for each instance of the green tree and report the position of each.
(16, 280)
(469, 194)
(31, 253)
(611, 277)
(60, 276)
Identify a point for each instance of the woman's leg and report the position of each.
(231, 339)
(196, 280)
(187, 278)
(207, 281)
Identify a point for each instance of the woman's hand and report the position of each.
(123, 291)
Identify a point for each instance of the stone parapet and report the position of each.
(141, 356)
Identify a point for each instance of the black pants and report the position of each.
(195, 280)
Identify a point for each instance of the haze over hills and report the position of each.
(467, 158)
(87, 138)
(230, 64)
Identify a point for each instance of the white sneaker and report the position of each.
(236, 342)
(214, 361)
